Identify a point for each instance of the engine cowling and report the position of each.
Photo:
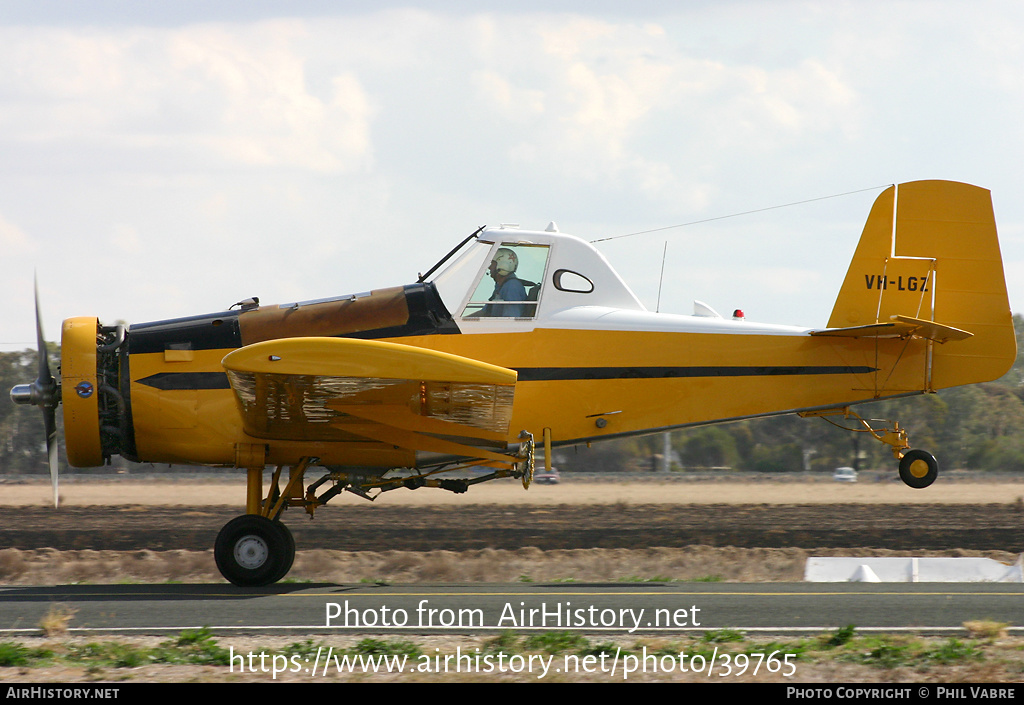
(80, 391)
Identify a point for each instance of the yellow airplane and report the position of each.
(522, 339)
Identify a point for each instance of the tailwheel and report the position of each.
(918, 468)
(252, 551)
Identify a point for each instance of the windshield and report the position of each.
(455, 280)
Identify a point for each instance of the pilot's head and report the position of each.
(504, 262)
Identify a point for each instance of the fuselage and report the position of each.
(592, 363)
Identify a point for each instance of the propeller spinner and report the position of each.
(44, 393)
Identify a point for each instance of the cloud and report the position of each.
(620, 105)
(125, 238)
(13, 240)
(228, 97)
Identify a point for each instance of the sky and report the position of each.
(164, 159)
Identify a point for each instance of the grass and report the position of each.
(56, 620)
(878, 653)
(197, 646)
(379, 647)
(841, 636)
(954, 651)
(985, 629)
(883, 651)
(507, 642)
(556, 642)
(722, 636)
(654, 579)
(603, 649)
(304, 649)
(15, 654)
(897, 651)
(641, 579)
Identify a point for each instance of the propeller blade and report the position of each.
(48, 388)
(45, 380)
(50, 421)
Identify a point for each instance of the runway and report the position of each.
(622, 608)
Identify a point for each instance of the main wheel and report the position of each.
(918, 468)
(289, 556)
(252, 550)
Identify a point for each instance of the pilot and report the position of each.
(507, 287)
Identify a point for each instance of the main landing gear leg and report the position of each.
(918, 468)
(257, 549)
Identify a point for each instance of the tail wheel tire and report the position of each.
(918, 468)
(252, 551)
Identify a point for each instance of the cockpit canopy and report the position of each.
(517, 275)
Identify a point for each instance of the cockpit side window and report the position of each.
(510, 283)
(573, 282)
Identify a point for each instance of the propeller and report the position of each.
(44, 393)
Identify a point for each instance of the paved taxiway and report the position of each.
(481, 608)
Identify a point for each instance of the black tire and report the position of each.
(252, 551)
(918, 468)
(289, 556)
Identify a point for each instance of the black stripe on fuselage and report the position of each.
(545, 374)
(219, 380)
(179, 381)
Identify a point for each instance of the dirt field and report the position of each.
(750, 531)
(170, 491)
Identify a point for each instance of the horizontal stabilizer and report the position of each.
(873, 330)
(899, 327)
(932, 330)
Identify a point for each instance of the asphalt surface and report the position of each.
(649, 608)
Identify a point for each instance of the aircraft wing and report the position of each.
(343, 389)
(899, 327)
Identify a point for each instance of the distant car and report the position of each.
(547, 478)
(845, 475)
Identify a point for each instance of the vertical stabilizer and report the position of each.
(929, 251)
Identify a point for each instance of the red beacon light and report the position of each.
(737, 315)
